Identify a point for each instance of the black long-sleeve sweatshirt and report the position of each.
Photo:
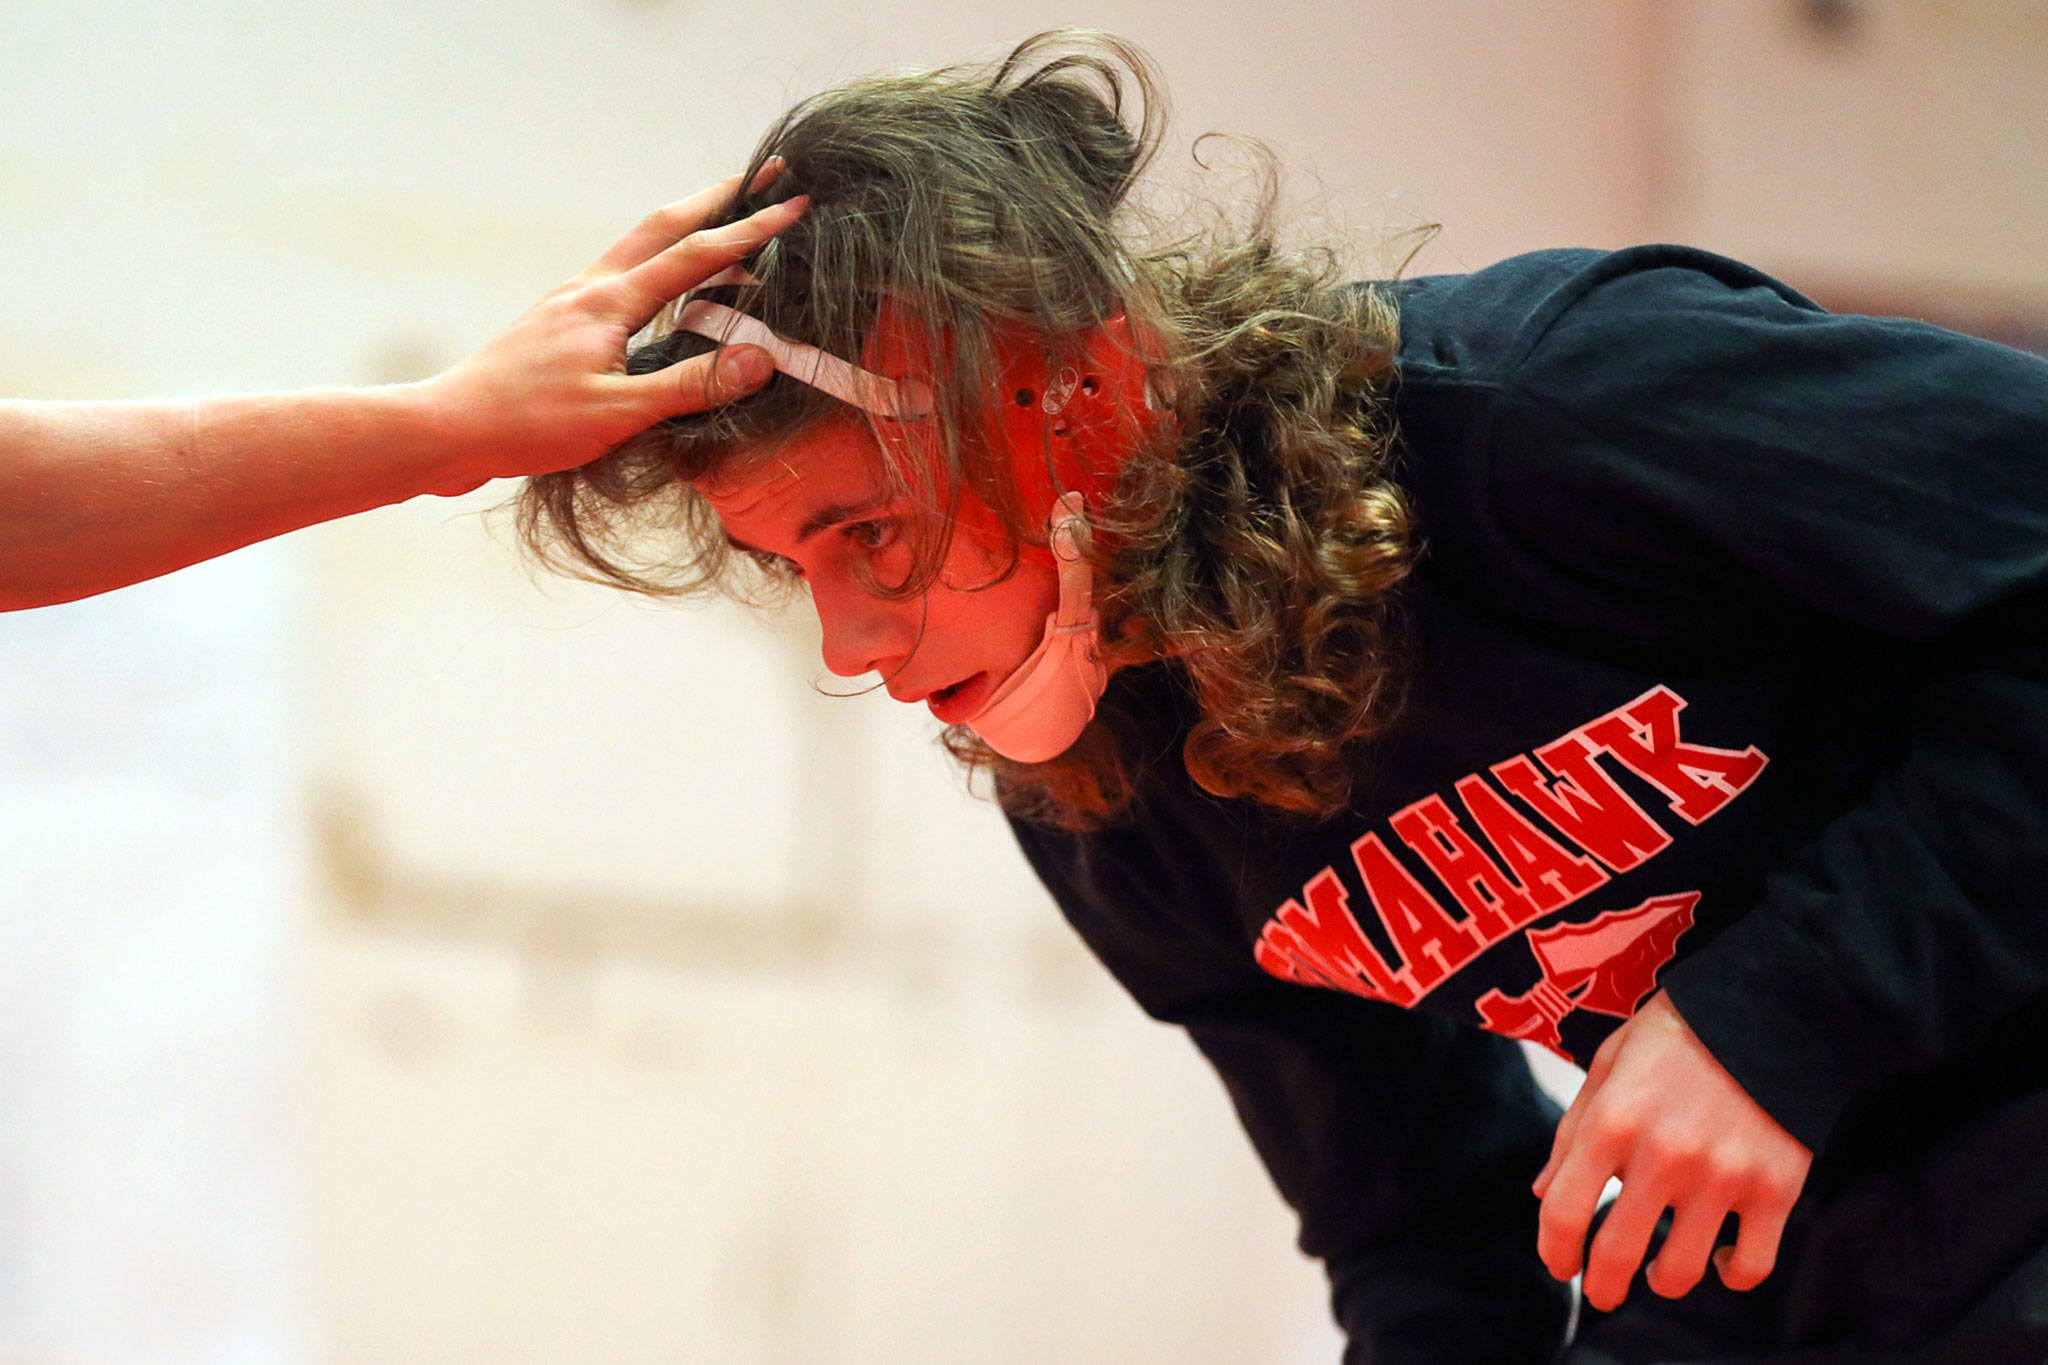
(1729, 675)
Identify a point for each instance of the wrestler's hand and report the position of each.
(552, 391)
(1660, 1113)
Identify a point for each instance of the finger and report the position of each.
(702, 381)
(1750, 1261)
(670, 223)
(641, 292)
(1568, 1208)
(1561, 1140)
(1567, 1127)
(1682, 1261)
(1621, 1243)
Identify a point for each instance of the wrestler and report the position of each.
(1608, 650)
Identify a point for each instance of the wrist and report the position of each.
(443, 444)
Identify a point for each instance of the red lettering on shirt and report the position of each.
(1322, 939)
(1492, 900)
(1433, 944)
(1699, 779)
(1584, 803)
(1551, 876)
(1505, 872)
(1281, 953)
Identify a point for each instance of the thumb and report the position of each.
(741, 370)
(706, 381)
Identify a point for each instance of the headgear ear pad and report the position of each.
(1071, 427)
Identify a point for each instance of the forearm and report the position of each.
(95, 496)
(1913, 924)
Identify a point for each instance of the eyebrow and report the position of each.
(824, 519)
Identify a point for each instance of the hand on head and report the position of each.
(551, 392)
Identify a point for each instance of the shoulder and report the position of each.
(1480, 328)
(1668, 432)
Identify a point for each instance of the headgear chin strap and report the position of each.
(1042, 708)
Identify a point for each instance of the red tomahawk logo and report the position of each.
(1607, 964)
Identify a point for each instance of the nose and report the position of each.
(865, 634)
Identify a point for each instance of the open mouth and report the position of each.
(955, 704)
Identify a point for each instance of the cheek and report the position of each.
(998, 625)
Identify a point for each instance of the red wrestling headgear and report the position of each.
(1065, 428)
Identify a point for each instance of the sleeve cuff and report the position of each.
(1772, 1010)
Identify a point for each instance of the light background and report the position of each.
(403, 959)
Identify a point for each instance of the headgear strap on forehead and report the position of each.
(900, 400)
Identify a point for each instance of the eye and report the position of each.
(872, 535)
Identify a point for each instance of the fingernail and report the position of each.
(744, 366)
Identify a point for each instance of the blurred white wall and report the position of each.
(152, 870)
(405, 959)
(1897, 150)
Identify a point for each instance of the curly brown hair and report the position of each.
(1254, 543)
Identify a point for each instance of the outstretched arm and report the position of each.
(95, 496)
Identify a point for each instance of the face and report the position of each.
(822, 504)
